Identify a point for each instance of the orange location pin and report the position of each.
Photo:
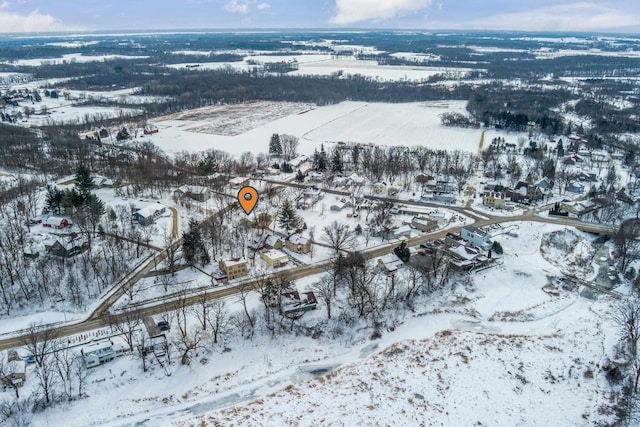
(248, 198)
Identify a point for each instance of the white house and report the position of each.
(476, 237)
(100, 352)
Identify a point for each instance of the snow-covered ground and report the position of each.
(498, 351)
(383, 124)
(70, 59)
(327, 65)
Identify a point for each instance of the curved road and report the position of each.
(101, 317)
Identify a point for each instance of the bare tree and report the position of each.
(627, 244)
(126, 324)
(188, 342)
(142, 348)
(324, 289)
(218, 318)
(64, 361)
(338, 236)
(289, 146)
(41, 342)
(201, 310)
(627, 318)
(81, 373)
(243, 293)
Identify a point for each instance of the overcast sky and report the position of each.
(539, 15)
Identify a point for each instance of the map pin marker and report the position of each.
(248, 198)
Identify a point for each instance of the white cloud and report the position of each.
(235, 6)
(352, 11)
(263, 6)
(578, 16)
(11, 22)
(5, 5)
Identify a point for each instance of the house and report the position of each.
(156, 344)
(310, 196)
(146, 214)
(275, 258)
(424, 224)
(523, 191)
(273, 242)
(580, 208)
(256, 242)
(101, 182)
(445, 187)
(476, 237)
(56, 222)
(296, 303)
(379, 188)
(316, 176)
(439, 217)
(100, 352)
(297, 243)
(66, 248)
(233, 267)
(239, 182)
(545, 184)
(422, 178)
(390, 263)
(14, 373)
(150, 129)
(575, 187)
(572, 159)
(195, 192)
(466, 258)
(495, 200)
(337, 206)
(402, 231)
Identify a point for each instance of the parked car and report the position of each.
(163, 325)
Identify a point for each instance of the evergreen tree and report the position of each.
(336, 161)
(84, 182)
(96, 209)
(497, 248)
(287, 218)
(299, 176)
(122, 135)
(53, 201)
(560, 148)
(322, 159)
(402, 252)
(193, 247)
(286, 168)
(355, 157)
(275, 146)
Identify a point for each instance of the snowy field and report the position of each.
(327, 65)
(453, 361)
(378, 123)
(70, 59)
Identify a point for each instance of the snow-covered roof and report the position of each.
(464, 252)
(297, 239)
(238, 180)
(150, 210)
(271, 240)
(234, 261)
(391, 262)
(275, 254)
(55, 220)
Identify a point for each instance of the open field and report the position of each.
(248, 127)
